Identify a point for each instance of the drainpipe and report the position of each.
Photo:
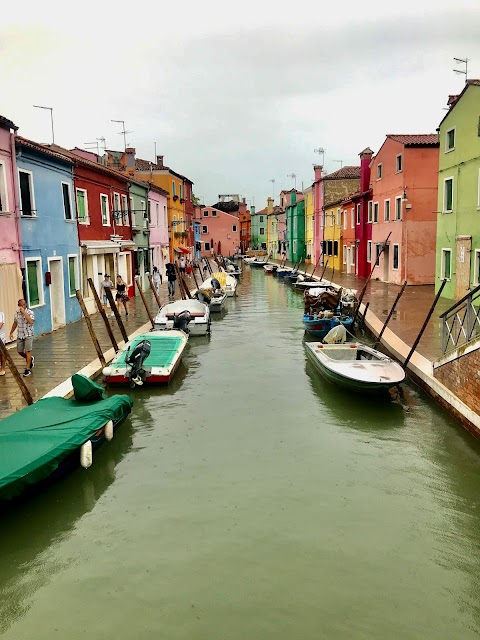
(16, 204)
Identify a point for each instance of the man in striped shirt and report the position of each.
(24, 319)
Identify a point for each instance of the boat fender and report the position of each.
(353, 346)
(86, 455)
(319, 346)
(107, 371)
(109, 431)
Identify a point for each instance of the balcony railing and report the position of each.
(461, 323)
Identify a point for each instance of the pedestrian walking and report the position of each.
(4, 340)
(157, 279)
(171, 277)
(188, 269)
(23, 322)
(205, 266)
(182, 265)
(106, 282)
(122, 295)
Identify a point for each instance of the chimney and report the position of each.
(318, 171)
(244, 200)
(130, 159)
(160, 161)
(252, 210)
(270, 202)
(365, 160)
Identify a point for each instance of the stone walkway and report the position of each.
(410, 313)
(60, 354)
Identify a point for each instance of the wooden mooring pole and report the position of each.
(150, 279)
(324, 268)
(103, 314)
(18, 378)
(142, 295)
(362, 321)
(424, 325)
(91, 330)
(116, 313)
(399, 295)
(180, 284)
(195, 278)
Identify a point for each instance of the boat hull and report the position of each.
(319, 327)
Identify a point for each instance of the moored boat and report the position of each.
(44, 441)
(356, 367)
(150, 358)
(227, 282)
(217, 301)
(270, 268)
(258, 262)
(320, 324)
(199, 321)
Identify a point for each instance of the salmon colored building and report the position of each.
(219, 231)
(245, 229)
(404, 178)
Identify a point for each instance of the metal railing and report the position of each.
(461, 323)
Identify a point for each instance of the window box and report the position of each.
(175, 198)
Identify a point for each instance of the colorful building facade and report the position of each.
(219, 232)
(258, 228)
(309, 221)
(332, 235)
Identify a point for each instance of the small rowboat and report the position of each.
(217, 301)
(356, 367)
(199, 324)
(270, 268)
(318, 326)
(150, 358)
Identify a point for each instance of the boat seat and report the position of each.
(194, 314)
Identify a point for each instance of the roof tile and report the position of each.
(415, 140)
(345, 173)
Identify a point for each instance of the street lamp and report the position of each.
(37, 106)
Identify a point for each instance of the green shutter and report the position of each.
(33, 293)
(447, 259)
(81, 205)
(71, 276)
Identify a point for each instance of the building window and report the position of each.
(295, 247)
(446, 264)
(143, 210)
(207, 246)
(398, 208)
(370, 207)
(205, 213)
(295, 223)
(105, 212)
(204, 228)
(369, 251)
(352, 255)
(262, 231)
(345, 219)
(477, 267)
(149, 211)
(234, 227)
(379, 171)
(353, 217)
(180, 190)
(116, 208)
(261, 218)
(67, 201)
(448, 195)
(73, 275)
(344, 254)
(124, 210)
(378, 251)
(27, 200)
(3, 189)
(173, 188)
(214, 214)
(339, 220)
(358, 214)
(329, 247)
(396, 249)
(386, 208)
(375, 212)
(82, 206)
(157, 214)
(399, 163)
(450, 140)
(34, 282)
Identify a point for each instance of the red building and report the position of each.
(104, 221)
(363, 224)
(245, 230)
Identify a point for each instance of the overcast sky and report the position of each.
(235, 94)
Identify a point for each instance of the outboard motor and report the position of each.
(215, 284)
(136, 359)
(202, 297)
(181, 320)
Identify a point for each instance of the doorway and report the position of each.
(386, 263)
(349, 259)
(57, 293)
(463, 245)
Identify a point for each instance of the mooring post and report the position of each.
(424, 325)
(180, 284)
(186, 289)
(18, 378)
(91, 330)
(362, 322)
(142, 295)
(195, 278)
(152, 285)
(399, 295)
(116, 313)
(324, 268)
(103, 314)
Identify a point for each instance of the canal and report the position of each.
(251, 499)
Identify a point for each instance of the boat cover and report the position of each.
(35, 440)
(165, 346)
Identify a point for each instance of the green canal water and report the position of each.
(252, 500)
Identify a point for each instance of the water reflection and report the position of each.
(30, 529)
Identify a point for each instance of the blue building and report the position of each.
(49, 235)
(196, 240)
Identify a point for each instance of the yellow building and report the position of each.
(332, 236)
(272, 233)
(309, 218)
(175, 184)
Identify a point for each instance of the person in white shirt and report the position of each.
(181, 265)
(24, 319)
(157, 279)
(3, 339)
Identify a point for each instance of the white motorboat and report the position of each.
(357, 367)
(270, 268)
(227, 283)
(217, 301)
(199, 324)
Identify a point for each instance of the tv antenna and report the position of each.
(272, 180)
(294, 178)
(464, 62)
(92, 146)
(321, 152)
(340, 161)
(123, 132)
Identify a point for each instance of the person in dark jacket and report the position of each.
(171, 277)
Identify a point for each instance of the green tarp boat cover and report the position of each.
(164, 349)
(35, 440)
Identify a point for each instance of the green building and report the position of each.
(139, 205)
(258, 229)
(458, 218)
(295, 215)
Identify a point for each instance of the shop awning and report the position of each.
(96, 247)
(181, 250)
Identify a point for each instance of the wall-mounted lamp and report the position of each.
(404, 197)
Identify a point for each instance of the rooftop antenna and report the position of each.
(321, 152)
(103, 142)
(294, 178)
(462, 61)
(272, 180)
(38, 106)
(122, 122)
(340, 161)
(95, 145)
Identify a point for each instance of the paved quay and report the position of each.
(62, 353)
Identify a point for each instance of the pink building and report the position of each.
(404, 178)
(219, 231)
(10, 244)
(318, 207)
(157, 202)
